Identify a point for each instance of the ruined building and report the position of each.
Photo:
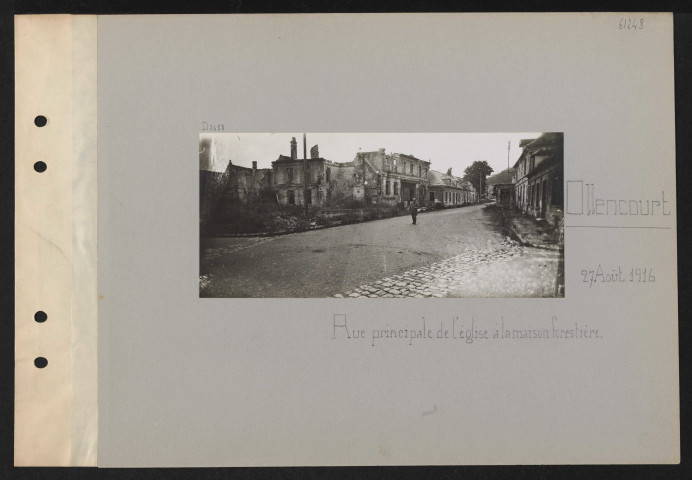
(326, 181)
(371, 177)
(390, 178)
(235, 185)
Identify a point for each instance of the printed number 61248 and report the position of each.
(631, 24)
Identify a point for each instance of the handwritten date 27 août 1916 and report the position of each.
(617, 275)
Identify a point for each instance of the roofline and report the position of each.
(411, 156)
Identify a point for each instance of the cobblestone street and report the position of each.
(508, 271)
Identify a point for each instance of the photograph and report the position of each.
(350, 215)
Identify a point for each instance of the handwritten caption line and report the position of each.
(469, 333)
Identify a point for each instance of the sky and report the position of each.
(443, 150)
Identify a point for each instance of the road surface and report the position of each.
(449, 253)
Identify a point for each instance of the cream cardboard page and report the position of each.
(55, 236)
(190, 381)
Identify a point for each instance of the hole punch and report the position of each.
(40, 316)
(40, 167)
(40, 362)
(40, 121)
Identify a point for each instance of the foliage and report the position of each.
(268, 217)
(351, 203)
(476, 173)
(505, 176)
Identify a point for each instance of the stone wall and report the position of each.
(341, 182)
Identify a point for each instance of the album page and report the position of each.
(382, 239)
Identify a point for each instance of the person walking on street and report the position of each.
(414, 210)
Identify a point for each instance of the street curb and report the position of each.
(266, 234)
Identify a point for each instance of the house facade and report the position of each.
(449, 190)
(521, 178)
(325, 180)
(539, 177)
(390, 178)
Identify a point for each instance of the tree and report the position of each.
(476, 173)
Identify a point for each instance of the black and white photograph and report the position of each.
(315, 215)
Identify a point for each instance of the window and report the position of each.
(329, 174)
(432, 196)
(403, 167)
(386, 188)
(411, 169)
(291, 197)
(308, 197)
(396, 188)
(289, 174)
(420, 171)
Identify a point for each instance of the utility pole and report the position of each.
(305, 174)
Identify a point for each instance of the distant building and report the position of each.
(504, 194)
(450, 190)
(502, 184)
(539, 177)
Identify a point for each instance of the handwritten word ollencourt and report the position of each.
(466, 330)
(582, 199)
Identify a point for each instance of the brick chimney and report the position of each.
(449, 171)
(315, 152)
(254, 166)
(294, 149)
